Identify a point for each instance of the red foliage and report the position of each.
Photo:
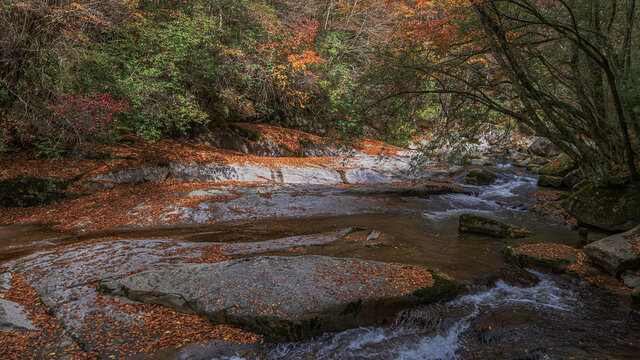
(86, 116)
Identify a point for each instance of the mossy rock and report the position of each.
(560, 167)
(31, 191)
(470, 223)
(481, 177)
(555, 258)
(611, 209)
(550, 181)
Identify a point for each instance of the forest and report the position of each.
(319, 179)
(74, 72)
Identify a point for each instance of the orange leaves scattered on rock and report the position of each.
(547, 195)
(105, 209)
(374, 147)
(48, 342)
(156, 327)
(210, 254)
(146, 329)
(546, 250)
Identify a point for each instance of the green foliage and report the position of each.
(183, 65)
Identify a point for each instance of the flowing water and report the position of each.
(558, 318)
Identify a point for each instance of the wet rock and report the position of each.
(291, 242)
(13, 318)
(288, 298)
(470, 223)
(417, 190)
(631, 278)
(513, 276)
(373, 239)
(31, 191)
(616, 253)
(544, 147)
(560, 167)
(135, 176)
(550, 181)
(551, 257)
(611, 209)
(481, 177)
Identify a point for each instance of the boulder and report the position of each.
(631, 278)
(550, 181)
(481, 177)
(288, 298)
(470, 223)
(556, 258)
(544, 147)
(616, 253)
(611, 209)
(561, 166)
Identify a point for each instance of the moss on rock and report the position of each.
(560, 167)
(481, 177)
(31, 191)
(471, 223)
(612, 209)
(550, 181)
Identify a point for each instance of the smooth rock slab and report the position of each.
(288, 298)
(616, 253)
(12, 317)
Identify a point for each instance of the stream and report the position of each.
(558, 318)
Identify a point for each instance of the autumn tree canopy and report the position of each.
(386, 68)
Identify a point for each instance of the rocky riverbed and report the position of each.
(358, 256)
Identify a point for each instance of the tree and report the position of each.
(563, 67)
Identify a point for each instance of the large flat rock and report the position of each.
(616, 253)
(287, 298)
(52, 298)
(356, 169)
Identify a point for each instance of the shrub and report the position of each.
(85, 118)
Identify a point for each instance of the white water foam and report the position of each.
(408, 341)
(490, 199)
